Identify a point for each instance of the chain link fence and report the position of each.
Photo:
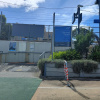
(6, 32)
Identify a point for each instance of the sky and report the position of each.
(41, 12)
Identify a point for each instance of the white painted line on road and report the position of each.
(69, 88)
(53, 87)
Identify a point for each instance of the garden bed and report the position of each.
(76, 68)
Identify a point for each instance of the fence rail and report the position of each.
(6, 32)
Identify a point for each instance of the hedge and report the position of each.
(67, 55)
(58, 63)
(86, 66)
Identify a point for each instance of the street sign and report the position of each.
(96, 21)
(62, 36)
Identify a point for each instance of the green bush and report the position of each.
(71, 54)
(86, 66)
(95, 54)
(58, 64)
(41, 64)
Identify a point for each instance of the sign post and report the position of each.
(53, 34)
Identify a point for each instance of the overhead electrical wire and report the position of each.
(49, 20)
(42, 19)
(90, 11)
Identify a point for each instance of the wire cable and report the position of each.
(90, 11)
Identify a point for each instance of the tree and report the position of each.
(82, 31)
(6, 29)
(83, 42)
(3, 18)
(97, 38)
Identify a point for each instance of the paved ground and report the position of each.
(19, 70)
(51, 89)
(78, 90)
(18, 81)
(18, 88)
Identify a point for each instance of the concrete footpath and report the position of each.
(78, 90)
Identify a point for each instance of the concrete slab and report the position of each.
(20, 68)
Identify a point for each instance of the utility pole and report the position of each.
(99, 18)
(9, 33)
(48, 32)
(78, 12)
(79, 16)
(0, 22)
(53, 34)
(98, 21)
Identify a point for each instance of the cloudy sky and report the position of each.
(41, 11)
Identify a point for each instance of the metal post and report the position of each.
(9, 32)
(53, 34)
(29, 32)
(99, 18)
(78, 20)
(0, 22)
(48, 31)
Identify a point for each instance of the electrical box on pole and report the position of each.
(80, 18)
(73, 18)
(77, 15)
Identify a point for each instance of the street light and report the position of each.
(97, 2)
(80, 6)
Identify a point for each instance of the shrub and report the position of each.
(86, 66)
(41, 64)
(95, 54)
(58, 64)
(71, 54)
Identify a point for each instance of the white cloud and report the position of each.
(57, 14)
(64, 15)
(90, 11)
(29, 4)
(82, 25)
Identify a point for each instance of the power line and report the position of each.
(88, 5)
(62, 19)
(90, 11)
(49, 18)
